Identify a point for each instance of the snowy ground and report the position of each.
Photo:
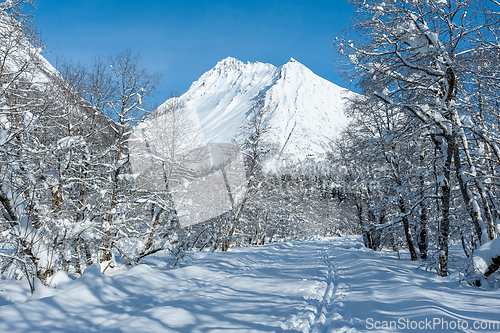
(331, 285)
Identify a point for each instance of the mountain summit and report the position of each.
(306, 111)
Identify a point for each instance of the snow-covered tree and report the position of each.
(25, 104)
(414, 57)
(166, 148)
(122, 86)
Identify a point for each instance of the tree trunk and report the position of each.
(469, 200)
(406, 225)
(444, 225)
(422, 237)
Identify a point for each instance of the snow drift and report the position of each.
(487, 258)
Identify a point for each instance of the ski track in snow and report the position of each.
(325, 314)
(331, 308)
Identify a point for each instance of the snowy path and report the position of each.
(331, 285)
(324, 314)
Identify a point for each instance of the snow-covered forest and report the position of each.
(422, 152)
(70, 138)
(91, 176)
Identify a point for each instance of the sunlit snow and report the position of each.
(327, 285)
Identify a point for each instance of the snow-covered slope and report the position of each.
(19, 56)
(306, 111)
(328, 285)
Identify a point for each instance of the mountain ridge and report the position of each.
(306, 111)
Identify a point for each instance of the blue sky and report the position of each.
(183, 39)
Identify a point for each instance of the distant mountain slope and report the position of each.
(18, 57)
(306, 111)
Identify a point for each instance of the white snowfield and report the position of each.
(328, 285)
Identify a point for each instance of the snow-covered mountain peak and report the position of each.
(295, 69)
(229, 74)
(228, 64)
(306, 111)
(292, 63)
